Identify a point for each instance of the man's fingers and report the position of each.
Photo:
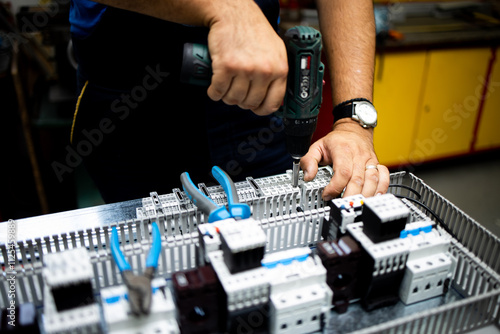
(257, 91)
(384, 179)
(356, 182)
(273, 98)
(371, 181)
(219, 86)
(309, 163)
(261, 94)
(342, 173)
(237, 92)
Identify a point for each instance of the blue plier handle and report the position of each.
(139, 286)
(215, 212)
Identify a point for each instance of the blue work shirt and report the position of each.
(85, 15)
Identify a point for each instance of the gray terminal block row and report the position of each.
(268, 197)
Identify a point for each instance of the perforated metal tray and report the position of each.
(291, 217)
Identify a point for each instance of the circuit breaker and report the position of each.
(300, 299)
(430, 266)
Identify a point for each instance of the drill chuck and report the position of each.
(298, 135)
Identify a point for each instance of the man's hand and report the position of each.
(348, 29)
(249, 59)
(349, 149)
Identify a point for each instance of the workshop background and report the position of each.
(437, 90)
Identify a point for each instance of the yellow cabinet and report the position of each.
(451, 95)
(488, 135)
(429, 101)
(398, 81)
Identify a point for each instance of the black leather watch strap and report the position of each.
(344, 109)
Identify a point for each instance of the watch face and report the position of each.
(366, 114)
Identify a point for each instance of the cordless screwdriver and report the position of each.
(303, 96)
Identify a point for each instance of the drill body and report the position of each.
(303, 93)
(304, 88)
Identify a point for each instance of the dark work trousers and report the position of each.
(138, 128)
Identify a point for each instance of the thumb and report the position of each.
(309, 162)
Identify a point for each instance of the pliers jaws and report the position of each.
(138, 286)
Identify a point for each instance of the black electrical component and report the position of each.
(20, 319)
(383, 268)
(345, 263)
(243, 244)
(199, 298)
(243, 260)
(253, 320)
(384, 217)
(81, 294)
(382, 290)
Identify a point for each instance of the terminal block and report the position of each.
(198, 295)
(385, 268)
(119, 319)
(345, 262)
(384, 217)
(343, 211)
(69, 304)
(300, 299)
(430, 266)
(245, 294)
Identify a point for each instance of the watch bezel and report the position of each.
(362, 122)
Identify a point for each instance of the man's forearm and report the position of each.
(348, 29)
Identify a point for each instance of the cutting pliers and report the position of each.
(215, 212)
(138, 286)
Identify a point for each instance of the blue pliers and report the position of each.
(215, 212)
(138, 286)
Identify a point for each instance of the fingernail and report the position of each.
(378, 194)
(327, 198)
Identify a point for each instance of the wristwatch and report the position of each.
(360, 110)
